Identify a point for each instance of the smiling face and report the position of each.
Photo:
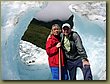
(55, 29)
(66, 31)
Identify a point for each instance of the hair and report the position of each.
(51, 32)
(55, 25)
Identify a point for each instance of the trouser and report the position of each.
(72, 67)
(55, 73)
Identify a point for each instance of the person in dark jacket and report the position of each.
(52, 48)
(75, 53)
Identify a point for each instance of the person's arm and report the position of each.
(51, 50)
(80, 49)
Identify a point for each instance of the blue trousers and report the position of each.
(72, 67)
(55, 73)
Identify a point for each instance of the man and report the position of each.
(75, 53)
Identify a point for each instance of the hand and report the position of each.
(58, 45)
(85, 62)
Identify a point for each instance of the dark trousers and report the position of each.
(72, 67)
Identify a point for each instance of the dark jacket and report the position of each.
(76, 47)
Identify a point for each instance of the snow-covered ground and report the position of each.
(35, 60)
(31, 54)
(22, 60)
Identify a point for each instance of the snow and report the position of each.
(22, 60)
(91, 8)
(29, 52)
(94, 11)
(90, 22)
(15, 19)
(35, 60)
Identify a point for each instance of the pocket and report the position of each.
(51, 60)
(55, 60)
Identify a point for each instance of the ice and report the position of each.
(94, 11)
(22, 60)
(90, 23)
(15, 19)
(29, 52)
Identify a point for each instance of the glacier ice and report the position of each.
(93, 34)
(16, 18)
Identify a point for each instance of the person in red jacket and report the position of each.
(52, 48)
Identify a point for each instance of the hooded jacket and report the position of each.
(53, 51)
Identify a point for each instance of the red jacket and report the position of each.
(53, 52)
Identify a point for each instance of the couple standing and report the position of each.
(72, 53)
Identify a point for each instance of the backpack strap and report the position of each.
(72, 36)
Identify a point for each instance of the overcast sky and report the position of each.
(56, 10)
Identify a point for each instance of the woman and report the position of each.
(52, 48)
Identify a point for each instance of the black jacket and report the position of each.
(76, 47)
